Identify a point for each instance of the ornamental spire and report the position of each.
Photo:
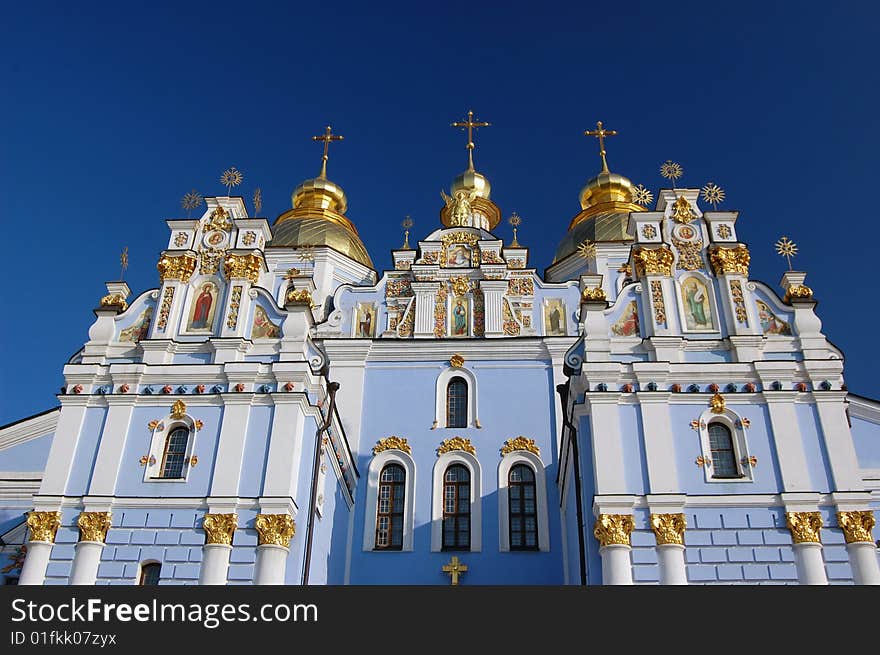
(327, 137)
(470, 124)
(600, 132)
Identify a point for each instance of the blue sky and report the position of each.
(111, 112)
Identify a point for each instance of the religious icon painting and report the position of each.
(770, 322)
(262, 326)
(696, 305)
(458, 256)
(365, 321)
(215, 238)
(628, 323)
(203, 308)
(554, 318)
(459, 316)
(138, 330)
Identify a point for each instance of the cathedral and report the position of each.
(281, 410)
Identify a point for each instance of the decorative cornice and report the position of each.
(246, 267)
(178, 267)
(730, 260)
(669, 528)
(653, 261)
(219, 528)
(456, 443)
(856, 526)
(43, 525)
(392, 443)
(804, 527)
(520, 443)
(275, 529)
(613, 529)
(93, 526)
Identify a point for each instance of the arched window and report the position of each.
(723, 454)
(457, 508)
(522, 508)
(174, 454)
(389, 510)
(456, 403)
(150, 574)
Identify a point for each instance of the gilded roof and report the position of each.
(315, 231)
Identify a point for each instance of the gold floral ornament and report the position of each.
(392, 443)
(730, 260)
(190, 201)
(716, 404)
(176, 268)
(246, 267)
(178, 409)
(682, 212)
(586, 249)
(93, 526)
(798, 291)
(804, 527)
(460, 285)
(300, 297)
(220, 528)
(613, 529)
(703, 461)
(642, 196)
(275, 529)
(593, 294)
(219, 220)
(115, 300)
(671, 171)
(456, 361)
(43, 525)
(786, 248)
(653, 261)
(712, 194)
(669, 528)
(520, 443)
(856, 526)
(231, 177)
(456, 443)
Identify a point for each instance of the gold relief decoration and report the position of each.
(593, 294)
(456, 443)
(510, 324)
(479, 313)
(180, 239)
(398, 288)
(234, 305)
(454, 238)
(147, 459)
(613, 529)
(218, 220)
(178, 409)
(300, 297)
(93, 526)
(723, 231)
(804, 527)
(460, 285)
(455, 568)
(249, 238)
(243, 266)
(520, 443)
(440, 311)
(211, 259)
(653, 261)
(490, 257)
(456, 361)
(856, 526)
(739, 305)
(402, 265)
(682, 212)
(798, 291)
(43, 525)
(730, 260)
(114, 300)
(199, 424)
(154, 424)
(429, 258)
(669, 528)
(657, 302)
(716, 404)
(649, 231)
(516, 263)
(750, 460)
(180, 267)
(392, 443)
(586, 249)
(165, 308)
(521, 286)
(405, 328)
(219, 528)
(275, 529)
(703, 461)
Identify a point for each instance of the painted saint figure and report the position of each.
(202, 311)
(459, 317)
(263, 327)
(770, 323)
(628, 323)
(554, 320)
(138, 330)
(458, 256)
(697, 312)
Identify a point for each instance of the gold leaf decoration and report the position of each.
(713, 194)
(456, 443)
(392, 443)
(43, 525)
(856, 526)
(178, 409)
(520, 443)
(219, 528)
(93, 526)
(275, 529)
(613, 529)
(804, 527)
(669, 528)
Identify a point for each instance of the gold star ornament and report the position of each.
(713, 194)
(787, 248)
(671, 171)
(642, 196)
(231, 177)
(190, 201)
(587, 249)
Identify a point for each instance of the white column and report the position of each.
(112, 445)
(659, 443)
(33, 572)
(215, 564)
(613, 532)
(608, 461)
(85, 562)
(669, 531)
(271, 564)
(810, 564)
(842, 457)
(493, 297)
(787, 441)
(857, 527)
(424, 320)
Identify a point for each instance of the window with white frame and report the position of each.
(150, 574)
(174, 452)
(725, 449)
(389, 510)
(523, 522)
(456, 506)
(390, 502)
(170, 456)
(456, 399)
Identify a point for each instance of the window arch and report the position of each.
(508, 509)
(522, 508)
(150, 574)
(405, 518)
(722, 451)
(390, 508)
(469, 416)
(456, 508)
(725, 449)
(174, 453)
(457, 403)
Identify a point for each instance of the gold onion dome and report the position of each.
(471, 180)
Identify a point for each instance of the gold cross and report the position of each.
(601, 132)
(327, 137)
(455, 568)
(470, 124)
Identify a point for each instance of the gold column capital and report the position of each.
(275, 529)
(856, 525)
(43, 525)
(669, 528)
(804, 527)
(219, 528)
(653, 261)
(93, 526)
(613, 529)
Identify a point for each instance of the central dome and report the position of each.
(470, 180)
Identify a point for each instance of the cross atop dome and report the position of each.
(327, 138)
(600, 132)
(470, 124)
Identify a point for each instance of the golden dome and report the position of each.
(606, 193)
(470, 180)
(319, 193)
(294, 230)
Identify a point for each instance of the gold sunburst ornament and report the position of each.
(306, 254)
(642, 196)
(671, 171)
(406, 224)
(190, 201)
(258, 201)
(123, 262)
(787, 248)
(515, 221)
(713, 194)
(231, 177)
(587, 249)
